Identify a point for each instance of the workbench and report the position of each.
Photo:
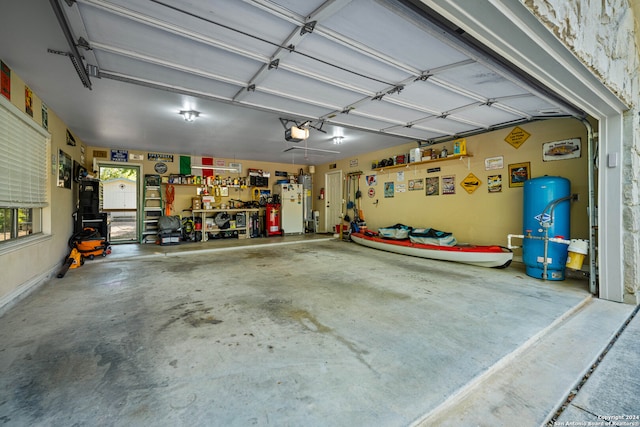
(244, 232)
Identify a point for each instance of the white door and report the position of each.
(333, 200)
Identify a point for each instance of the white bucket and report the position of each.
(577, 250)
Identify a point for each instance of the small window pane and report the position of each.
(5, 223)
(25, 222)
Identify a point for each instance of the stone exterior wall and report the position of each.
(605, 36)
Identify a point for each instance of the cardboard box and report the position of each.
(196, 203)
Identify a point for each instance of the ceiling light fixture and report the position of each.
(337, 140)
(189, 115)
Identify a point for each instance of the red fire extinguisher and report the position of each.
(322, 194)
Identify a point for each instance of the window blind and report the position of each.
(23, 159)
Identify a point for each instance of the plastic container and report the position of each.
(415, 155)
(576, 252)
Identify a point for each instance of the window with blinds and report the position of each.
(23, 173)
(23, 160)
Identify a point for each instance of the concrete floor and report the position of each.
(297, 331)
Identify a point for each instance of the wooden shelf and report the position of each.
(201, 185)
(183, 185)
(424, 162)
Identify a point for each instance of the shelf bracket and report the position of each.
(468, 161)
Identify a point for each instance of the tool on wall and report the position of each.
(170, 193)
(360, 213)
(353, 184)
(346, 216)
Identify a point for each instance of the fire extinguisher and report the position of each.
(322, 194)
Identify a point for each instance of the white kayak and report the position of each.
(483, 256)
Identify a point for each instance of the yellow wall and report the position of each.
(480, 217)
(31, 263)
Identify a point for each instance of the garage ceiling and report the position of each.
(379, 73)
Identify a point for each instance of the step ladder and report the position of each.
(152, 208)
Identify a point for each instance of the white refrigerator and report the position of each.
(291, 207)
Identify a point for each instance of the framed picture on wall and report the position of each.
(389, 189)
(64, 169)
(416, 184)
(519, 173)
(433, 186)
(449, 184)
(494, 183)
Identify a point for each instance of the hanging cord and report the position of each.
(170, 195)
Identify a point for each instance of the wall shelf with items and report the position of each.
(424, 162)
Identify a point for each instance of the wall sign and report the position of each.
(449, 184)
(158, 157)
(160, 168)
(470, 183)
(119, 155)
(561, 150)
(416, 184)
(517, 137)
(494, 183)
(493, 163)
(389, 189)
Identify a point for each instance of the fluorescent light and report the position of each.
(216, 168)
(311, 149)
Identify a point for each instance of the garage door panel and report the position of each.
(373, 24)
(144, 71)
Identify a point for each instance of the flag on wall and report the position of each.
(193, 165)
(185, 165)
(207, 161)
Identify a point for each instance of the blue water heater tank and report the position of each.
(543, 202)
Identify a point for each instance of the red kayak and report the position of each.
(483, 256)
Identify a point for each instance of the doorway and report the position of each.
(119, 198)
(333, 200)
